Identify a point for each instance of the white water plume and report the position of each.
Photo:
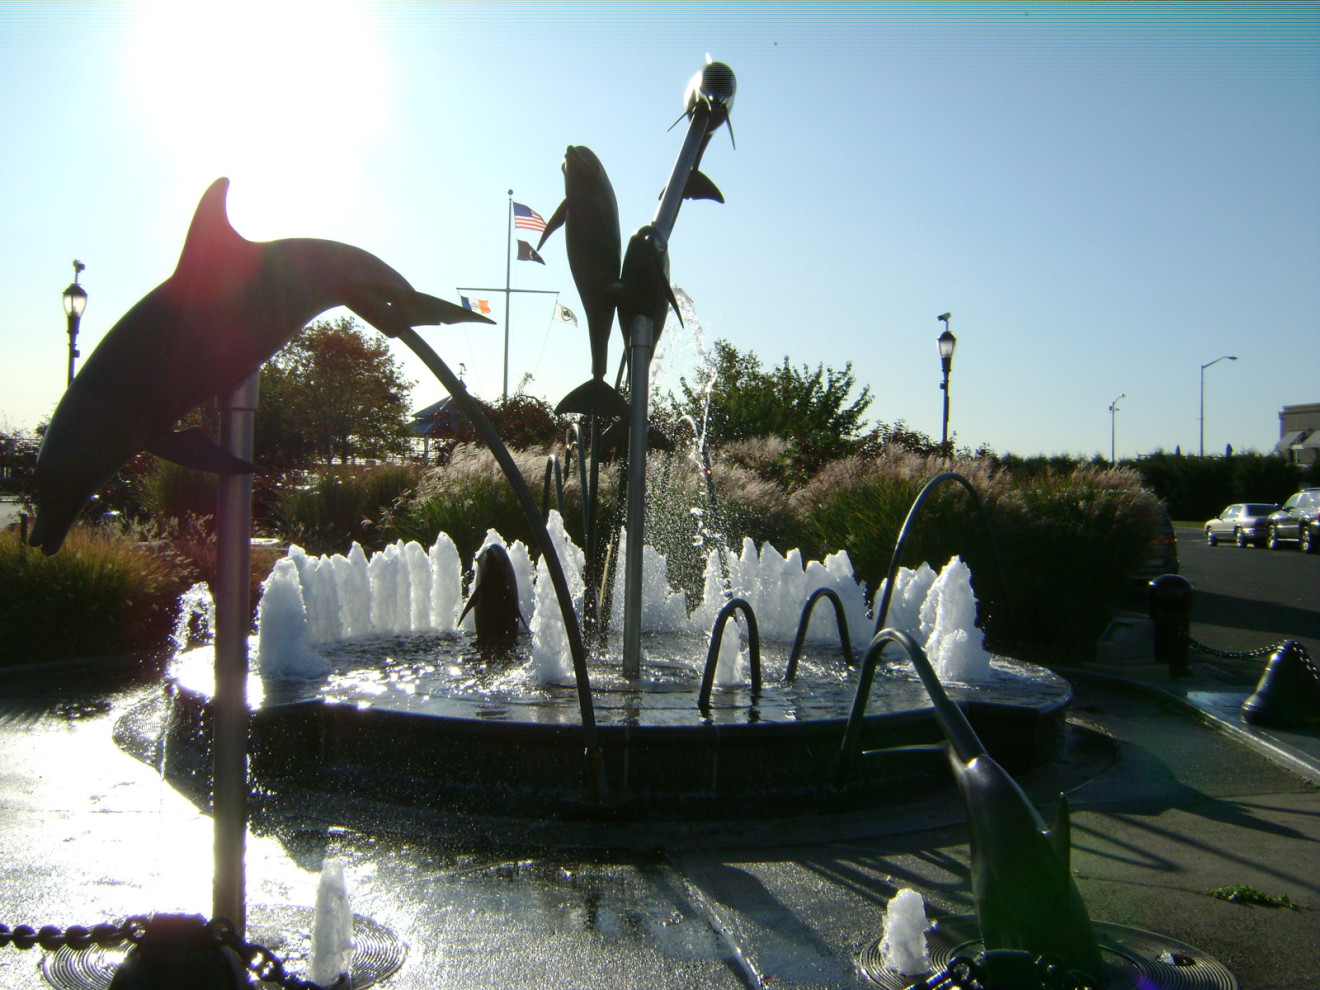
(407, 590)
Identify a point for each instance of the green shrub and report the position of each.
(469, 495)
(103, 594)
(1070, 545)
(345, 505)
(1061, 550)
(167, 491)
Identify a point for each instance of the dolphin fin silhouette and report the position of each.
(595, 397)
(616, 438)
(192, 448)
(554, 223)
(699, 186)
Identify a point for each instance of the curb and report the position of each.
(1305, 765)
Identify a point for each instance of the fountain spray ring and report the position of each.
(1133, 958)
(284, 929)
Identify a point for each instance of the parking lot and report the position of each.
(1250, 597)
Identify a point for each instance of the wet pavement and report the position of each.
(1166, 807)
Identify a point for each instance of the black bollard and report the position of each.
(1288, 695)
(1171, 611)
(178, 952)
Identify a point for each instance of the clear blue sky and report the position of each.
(1105, 197)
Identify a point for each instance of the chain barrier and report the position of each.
(257, 959)
(1007, 969)
(1264, 651)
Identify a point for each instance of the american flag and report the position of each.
(527, 218)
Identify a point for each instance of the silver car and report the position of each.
(1245, 523)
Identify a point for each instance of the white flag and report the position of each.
(562, 312)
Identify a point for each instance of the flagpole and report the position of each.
(508, 275)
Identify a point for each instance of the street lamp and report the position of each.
(947, 342)
(1226, 357)
(75, 301)
(1113, 426)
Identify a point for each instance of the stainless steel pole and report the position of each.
(233, 620)
(642, 344)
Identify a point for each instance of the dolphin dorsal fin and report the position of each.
(210, 233)
(1060, 834)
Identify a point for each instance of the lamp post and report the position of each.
(947, 342)
(1113, 426)
(75, 301)
(1226, 357)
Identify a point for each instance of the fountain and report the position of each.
(365, 686)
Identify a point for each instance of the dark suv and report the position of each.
(1298, 519)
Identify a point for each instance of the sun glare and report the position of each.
(282, 96)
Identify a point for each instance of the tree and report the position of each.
(334, 392)
(812, 410)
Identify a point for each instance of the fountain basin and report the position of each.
(438, 732)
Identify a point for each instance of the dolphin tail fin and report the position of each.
(554, 223)
(1060, 834)
(595, 397)
(192, 448)
(699, 186)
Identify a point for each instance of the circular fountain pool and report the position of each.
(423, 721)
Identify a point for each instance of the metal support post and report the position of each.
(233, 620)
(642, 344)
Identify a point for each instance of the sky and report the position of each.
(1105, 197)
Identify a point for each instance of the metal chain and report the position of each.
(257, 959)
(52, 938)
(1264, 651)
(261, 962)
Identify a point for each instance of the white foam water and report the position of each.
(404, 589)
(332, 925)
(903, 943)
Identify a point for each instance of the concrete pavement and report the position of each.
(1167, 807)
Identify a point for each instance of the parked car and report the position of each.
(1161, 556)
(1242, 522)
(1298, 519)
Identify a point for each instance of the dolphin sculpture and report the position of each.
(494, 599)
(645, 289)
(1021, 876)
(711, 92)
(230, 304)
(590, 216)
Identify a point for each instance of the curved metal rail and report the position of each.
(552, 466)
(713, 653)
(962, 737)
(883, 611)
(790, 672)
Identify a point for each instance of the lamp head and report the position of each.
(947, 342)
(75, 300)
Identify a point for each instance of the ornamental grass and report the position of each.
(103, 594)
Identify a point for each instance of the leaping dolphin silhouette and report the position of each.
(645, 287)
(590, 216)
(709, 92)
(1021, 876)
(494, 599)
(230, 304)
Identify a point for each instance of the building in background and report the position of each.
(1299, 433)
